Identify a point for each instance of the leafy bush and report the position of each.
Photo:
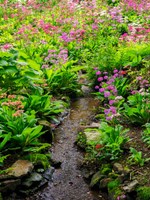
(18, 130)
(16, 75)
(63, 81)
(44, 106)
(136, 110)
(111, 143)
(113, 139)
(136, 157)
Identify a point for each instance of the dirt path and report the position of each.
(68, 183)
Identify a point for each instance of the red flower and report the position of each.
(98, 146)
(123, 72)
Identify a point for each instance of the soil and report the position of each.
(68, 183)
(141, 173)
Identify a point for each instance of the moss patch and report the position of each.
(143, 193)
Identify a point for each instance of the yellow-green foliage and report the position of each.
(132, 55)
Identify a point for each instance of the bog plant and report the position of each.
(137, 158)
(63, 81)
(18, 130)
(113, 139)
(44, 106)
(16, 74)
(136, 110)
(111, 143)
(146, 134)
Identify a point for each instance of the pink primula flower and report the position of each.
(7, 46)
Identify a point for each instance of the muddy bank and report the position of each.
(67, 182)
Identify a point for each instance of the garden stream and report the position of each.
(67, 181)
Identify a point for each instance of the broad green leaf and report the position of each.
(7, 137)
(33, 64)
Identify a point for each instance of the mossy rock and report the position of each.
(143, 193)
(92, 135)
(114, 190)
(113, 184)
(113, 175)
(96, 179)
(106, 169)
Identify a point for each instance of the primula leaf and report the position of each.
(33, 64)
(7, 137)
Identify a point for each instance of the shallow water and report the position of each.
(67, 182)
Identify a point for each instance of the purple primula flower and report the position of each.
(105, 77)
(98, 72)
(100, 79)
(101, 84)
(105, 73)
(134, 92)
(113, 109)
(110, 81)
(111, 102)
(115, 71)
(114, 90)
(107, 111)
(65, 37)
(46, 59)
(44, 66)
(94, 26)
(108, 118)
(139, 78)
(107, 94)
(115, 75)
(51, 51)
(95, 68)
(101, 89)
(43, 42)
(144, 81)
(110, 87)
(96, 87)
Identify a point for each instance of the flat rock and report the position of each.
(21, 168)
(104, 182)
(92, 135)
(48, 173)
(118, 168)
(96, 178)
(34, 178)
(93, 125)
(131, 186)
(86, 89)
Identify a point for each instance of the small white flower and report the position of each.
(118, 98)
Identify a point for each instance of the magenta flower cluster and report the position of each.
(139, 6)
(106, 83)
(107, 89)
(136, 34)
(116, 14)
(55, 58)
(143, 85)
(73, 35)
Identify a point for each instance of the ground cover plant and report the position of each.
(45, 45)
